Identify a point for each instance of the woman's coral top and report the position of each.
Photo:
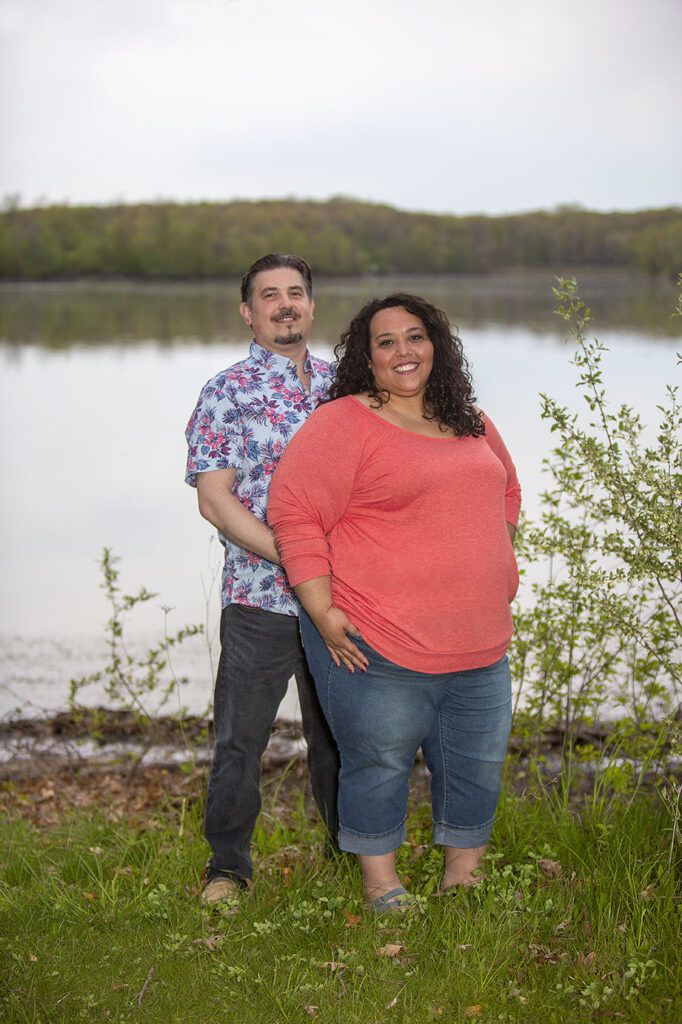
(412, 530)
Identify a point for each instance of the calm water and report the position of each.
(97, 385)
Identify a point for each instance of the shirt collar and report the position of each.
(274, 361)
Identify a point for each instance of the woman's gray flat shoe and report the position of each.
(396, 901)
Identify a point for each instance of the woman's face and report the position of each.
(401, 352)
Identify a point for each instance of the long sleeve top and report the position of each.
(411, 529)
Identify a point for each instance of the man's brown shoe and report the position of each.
(220, 887)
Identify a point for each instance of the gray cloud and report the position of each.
(444, 106)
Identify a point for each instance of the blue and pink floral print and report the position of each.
(244, 419)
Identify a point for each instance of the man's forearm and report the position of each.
(239, 525)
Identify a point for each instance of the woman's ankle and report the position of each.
(463, 867)
(378, 875)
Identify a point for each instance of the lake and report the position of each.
(97, 384)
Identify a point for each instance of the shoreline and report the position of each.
(106, 762)
(104, 739)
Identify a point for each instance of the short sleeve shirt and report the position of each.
(244, 419)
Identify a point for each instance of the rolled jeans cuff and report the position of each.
(462, 837)
(370, 845)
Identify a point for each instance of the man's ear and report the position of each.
(246, 314)
(312, 309)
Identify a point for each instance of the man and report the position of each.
(243, 421)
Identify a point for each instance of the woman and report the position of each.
(395, 507)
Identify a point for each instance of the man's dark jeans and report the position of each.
(260, 651)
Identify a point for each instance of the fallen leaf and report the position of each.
(90, 895)
(311, 1010)
(352, 920)
(392, 949)
(563, 924)
(334, 965)
(551, 868)
(473, 1011)
(465, 946)
(544, 953)
(210, 941)
(392, 1003)
(647, 894)
(32, 958)
(588, 960)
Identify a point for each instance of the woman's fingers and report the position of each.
(357, 657)
(346, 653)
(334, 628)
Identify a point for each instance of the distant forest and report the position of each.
(338, 237)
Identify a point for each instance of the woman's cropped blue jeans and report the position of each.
(381, 718)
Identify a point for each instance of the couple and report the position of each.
(393, 509)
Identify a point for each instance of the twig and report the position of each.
(676, 826)
(137, 759)
(176, 687)
(342, 984)
(144, 987)
(394, 1002)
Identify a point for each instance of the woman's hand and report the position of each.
(334, 626)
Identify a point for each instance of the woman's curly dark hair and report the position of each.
(449, 396)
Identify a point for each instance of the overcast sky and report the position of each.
(454, 106)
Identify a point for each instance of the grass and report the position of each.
(578, 920)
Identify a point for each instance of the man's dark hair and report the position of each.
(273, 261)
(449, 395)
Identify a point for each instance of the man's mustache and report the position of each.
(283, 314)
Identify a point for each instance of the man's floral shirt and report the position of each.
(244, 419)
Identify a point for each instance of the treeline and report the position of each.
(338, 237)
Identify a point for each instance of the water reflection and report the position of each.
(61, 315)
